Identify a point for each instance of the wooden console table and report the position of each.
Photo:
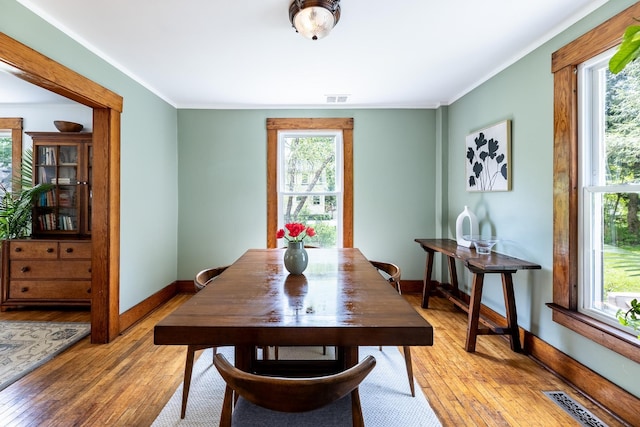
(479, 265)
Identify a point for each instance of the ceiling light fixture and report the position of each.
(314, 19)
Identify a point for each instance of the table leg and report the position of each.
(244, 356)
(350, 355)
(510, 307)
(426, 282)
(453, 276)
(474, 312)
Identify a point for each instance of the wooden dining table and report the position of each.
(340, 300)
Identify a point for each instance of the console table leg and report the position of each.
(474, 312)
(453, 276)
(512, 315)
(426, 282)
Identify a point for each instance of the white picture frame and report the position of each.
(488, 158)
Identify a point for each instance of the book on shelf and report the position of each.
(49, 156)
(47, 199)
(66, 223)
(65, 198)
(42, 175)
(61, 181)
(49, 222)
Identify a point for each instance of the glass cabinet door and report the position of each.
(65, 160)
(57, 210)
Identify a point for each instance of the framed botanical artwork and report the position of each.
(488, 160)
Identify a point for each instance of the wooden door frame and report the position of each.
(29, 65)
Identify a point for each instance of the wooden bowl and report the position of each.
(63, 126)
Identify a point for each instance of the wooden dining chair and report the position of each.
(390, 270)
(202, 279)
(392, 273)
(277, 401)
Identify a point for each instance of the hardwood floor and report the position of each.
(127, 382)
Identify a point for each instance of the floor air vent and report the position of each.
(576, 410)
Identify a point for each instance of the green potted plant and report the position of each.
(16, 206)
(630, 317)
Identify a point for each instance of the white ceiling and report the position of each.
(16, 91)
(244, 54)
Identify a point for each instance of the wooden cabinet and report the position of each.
(65, 160)
(54, 268)
(46, 272)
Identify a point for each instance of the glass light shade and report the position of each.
(314, 22)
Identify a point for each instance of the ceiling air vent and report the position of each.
(337, 99)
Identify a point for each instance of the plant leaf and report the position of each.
(628, 50)
(16, 206)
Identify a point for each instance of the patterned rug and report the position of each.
(384, 394)
(26, 345)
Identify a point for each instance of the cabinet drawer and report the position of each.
(40, 249)
(50, 290)
(35, 269)
(70, 250)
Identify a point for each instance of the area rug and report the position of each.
(385, 394)
(26, 345)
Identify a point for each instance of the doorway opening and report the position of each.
(31, 66)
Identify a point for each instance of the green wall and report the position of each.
(523, 217)
(149, 178)
(223, 171)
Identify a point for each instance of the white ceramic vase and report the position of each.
(472, 220)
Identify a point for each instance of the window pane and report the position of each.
(309, 164)
(615, 253)
(5, 161)
(622, 125)
(319, 216)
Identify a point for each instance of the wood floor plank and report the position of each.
(508, 385)
(128, 382)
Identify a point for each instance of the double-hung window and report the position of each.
(310, 178)
(310, 183)
(609, 179)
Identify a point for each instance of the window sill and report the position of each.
(601, 333)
